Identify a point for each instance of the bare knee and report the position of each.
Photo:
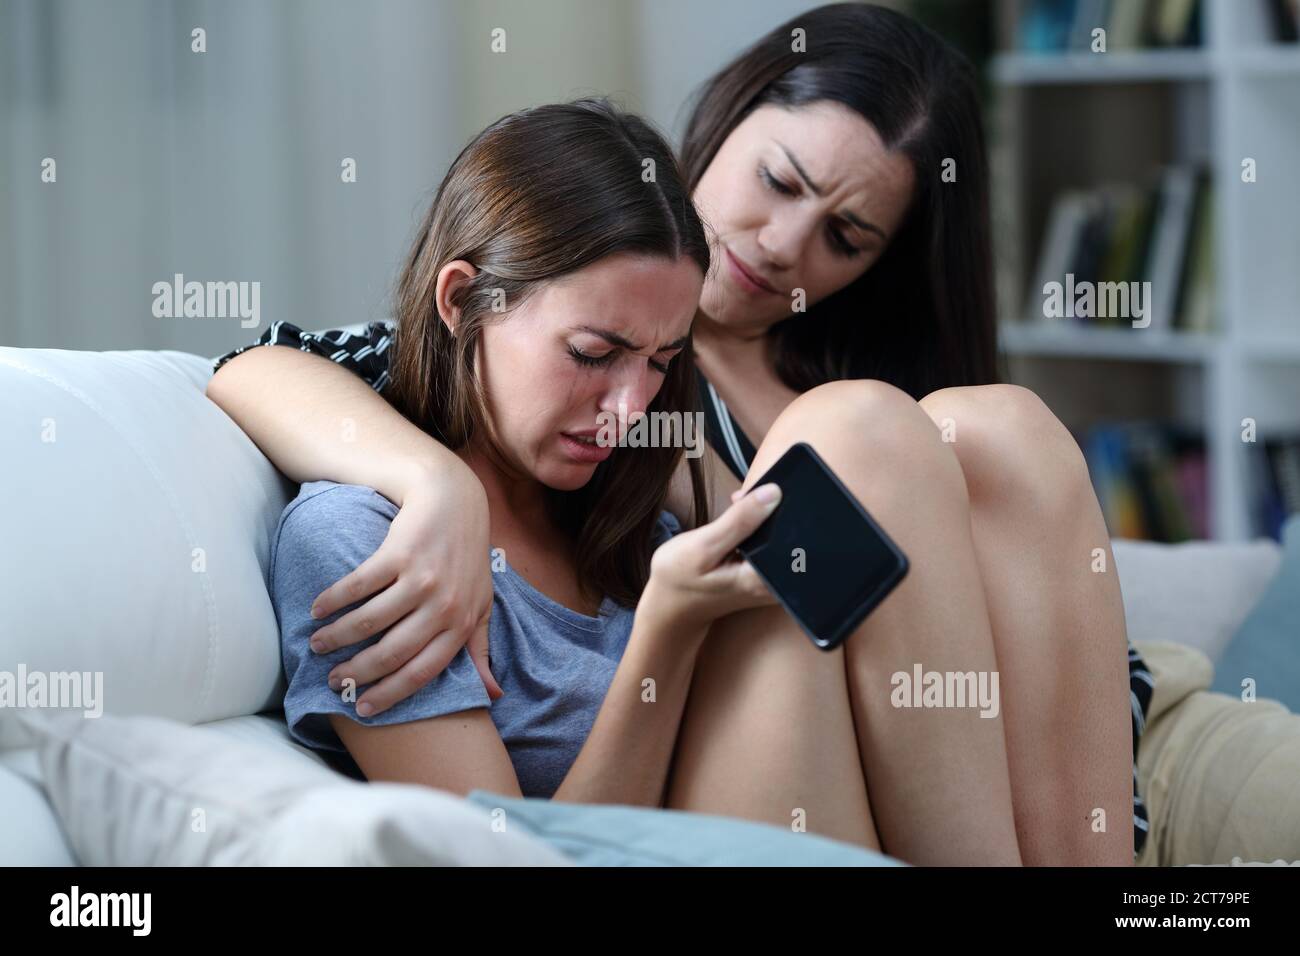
(865, 430)
(851, 399)
(1012, 449)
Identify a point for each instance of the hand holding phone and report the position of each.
(696, 576)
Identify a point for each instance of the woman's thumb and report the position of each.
(478, 652)
(740, 521)
(754, 508)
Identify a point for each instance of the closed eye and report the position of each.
(842, 245)
(773, 183)
(592, 361)
(838, 243)
(602, 361)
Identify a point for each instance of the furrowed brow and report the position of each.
(864, 226)
(613, 338)
(803, 173)
(861, 224)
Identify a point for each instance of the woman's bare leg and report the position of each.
(768, 732)
(1058, 623)
(765, 728)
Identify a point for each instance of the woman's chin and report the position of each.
(728, 312)
(568, 476)
(715, 306)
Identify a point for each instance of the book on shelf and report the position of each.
(1150, 479)
(1101, 246)
(1170, 242)
(1274, 483)
(1195, 308)
(1061, 26)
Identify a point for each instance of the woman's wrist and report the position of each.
(440, 468)
(662, 613)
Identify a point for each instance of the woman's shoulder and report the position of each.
(332, 496)
(331, 525)
(324, 533)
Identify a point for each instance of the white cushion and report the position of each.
(267, 730)
(137, 532)
(30, 834)
(1196, 593)
(144, 791)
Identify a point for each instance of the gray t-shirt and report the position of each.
(554, 664)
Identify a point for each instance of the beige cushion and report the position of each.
(1221, 777)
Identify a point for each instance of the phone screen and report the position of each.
(824, 557)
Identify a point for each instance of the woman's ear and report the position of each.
(450, 278)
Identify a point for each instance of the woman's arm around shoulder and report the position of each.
(315, 417)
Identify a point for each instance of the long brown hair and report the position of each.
(922, 317)
(537, 195)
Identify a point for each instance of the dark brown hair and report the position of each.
(537, 195)
(922, 317)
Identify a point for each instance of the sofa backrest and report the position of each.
(135, 539)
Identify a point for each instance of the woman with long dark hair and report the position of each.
(842, 174)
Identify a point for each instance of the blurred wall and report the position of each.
(225, 165)
(555, 50)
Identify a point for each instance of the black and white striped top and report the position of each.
(366, 354)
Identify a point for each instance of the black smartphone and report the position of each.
(820, 552)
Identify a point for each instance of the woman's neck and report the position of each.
(725, 347)
(740, 365)
(716, 335)
(524, 527)
(516, 503)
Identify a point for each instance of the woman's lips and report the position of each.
(584, 452)
(745, 278)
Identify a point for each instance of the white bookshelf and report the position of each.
(1236, 96)
(1064, 341)
(1014, 69)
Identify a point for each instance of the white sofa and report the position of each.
(135, 543)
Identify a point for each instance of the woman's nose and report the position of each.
(782, 238)
(629, 393)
